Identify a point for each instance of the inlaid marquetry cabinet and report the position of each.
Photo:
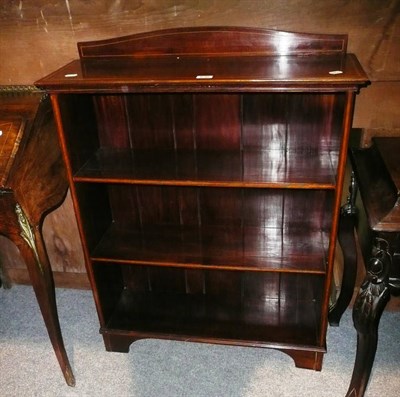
(206, 169)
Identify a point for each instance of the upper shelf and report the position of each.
(211, 59)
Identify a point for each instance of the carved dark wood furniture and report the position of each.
(206, 169)
(376, 175)
(33, 182)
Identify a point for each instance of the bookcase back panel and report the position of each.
(295, 122)
(217, 121)
(165, 121)
(218, 283)
(265, 121)
(276, 208)
(212, 282)
(315, 122)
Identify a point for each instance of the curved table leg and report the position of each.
(347, 223)
(369, 305)
(31, 245)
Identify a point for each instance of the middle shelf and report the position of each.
(247, 168)
(267, 230)
(216, 247)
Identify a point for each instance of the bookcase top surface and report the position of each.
(211, 59)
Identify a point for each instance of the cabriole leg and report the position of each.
(31, 245)
(347, 223)
(369, 305)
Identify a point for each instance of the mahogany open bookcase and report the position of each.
(206, 169)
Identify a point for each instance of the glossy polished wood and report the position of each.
(188, 60)
(171, 313)
(211, 168)
(201, 74)
(191, 152)
(206, 171)
(201, 41)
(33, 182)
(228, 248)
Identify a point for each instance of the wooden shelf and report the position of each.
(198, 317)
(216, 247)
(250, 168)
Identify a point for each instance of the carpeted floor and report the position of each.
(154, 368)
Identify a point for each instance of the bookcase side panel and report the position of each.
(112, 121)
(79, 128)
(94, 211)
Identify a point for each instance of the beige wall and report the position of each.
(38, 36)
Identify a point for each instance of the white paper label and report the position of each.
(204, 76)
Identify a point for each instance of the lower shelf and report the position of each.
(202, 318)
(246, 308)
